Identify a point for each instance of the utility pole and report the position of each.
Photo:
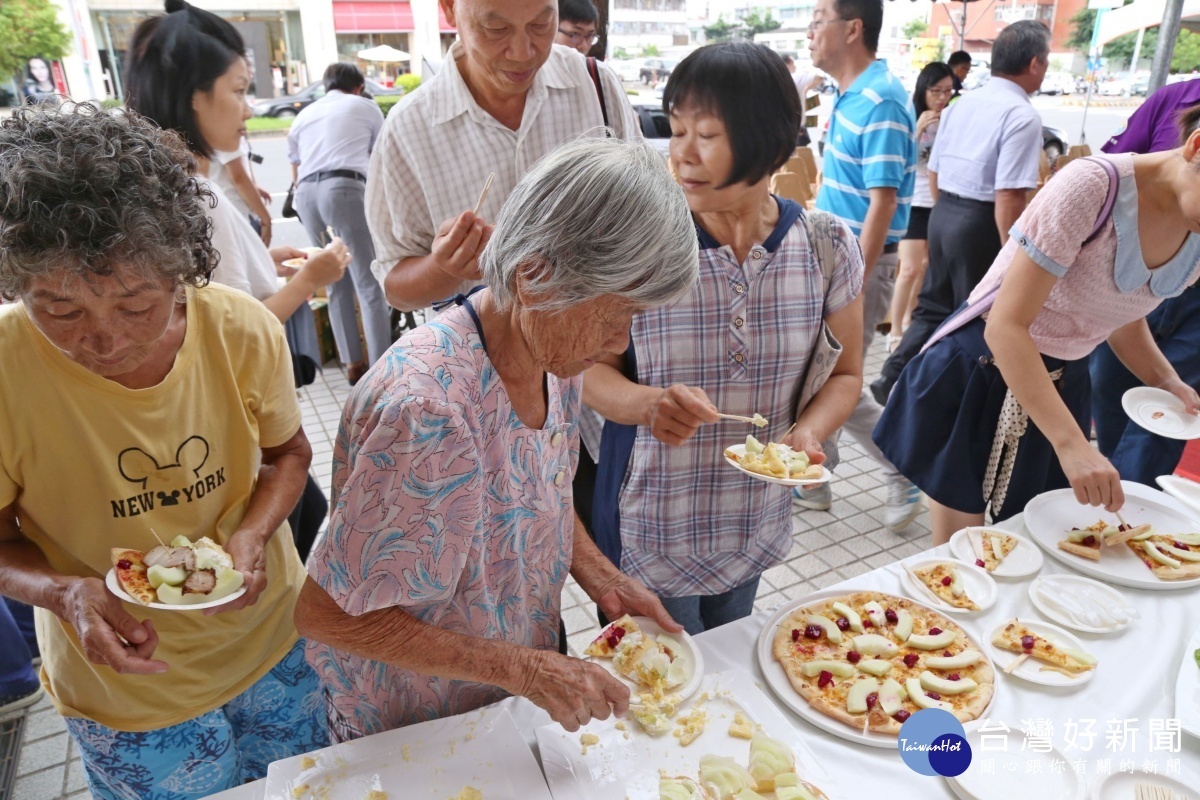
(1168, 32)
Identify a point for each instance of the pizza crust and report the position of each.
(133, 580)
(1082, 550)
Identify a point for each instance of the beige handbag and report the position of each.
(827, 349)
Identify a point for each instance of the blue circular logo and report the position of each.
(932, 742)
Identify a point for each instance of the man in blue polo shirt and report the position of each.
(869, 174)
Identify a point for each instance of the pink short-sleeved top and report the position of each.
(1101, 285)
(445, 505)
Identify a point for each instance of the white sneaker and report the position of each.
(903, 504)
(819, 498)
(891, 342)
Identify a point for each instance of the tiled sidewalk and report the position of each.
(848, 540)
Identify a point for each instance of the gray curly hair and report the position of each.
(598, 217)
(85, 191)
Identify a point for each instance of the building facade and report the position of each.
(635, 24)
(984, 21)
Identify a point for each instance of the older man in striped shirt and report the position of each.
(870, 164)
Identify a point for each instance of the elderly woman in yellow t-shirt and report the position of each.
(139, 403)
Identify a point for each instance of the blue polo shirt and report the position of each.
(871, 144)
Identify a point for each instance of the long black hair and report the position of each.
(933, 72)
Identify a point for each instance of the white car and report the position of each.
(1115, 87)
(1058, 83)
(629, 69)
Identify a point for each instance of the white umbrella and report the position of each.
(383, 52)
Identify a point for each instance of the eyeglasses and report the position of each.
(818, 24)
(940, 92)
(575, 38)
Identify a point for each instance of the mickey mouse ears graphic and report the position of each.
(138, 466)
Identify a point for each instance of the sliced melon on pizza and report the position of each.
(605, 645)
(1017, 638)
(1086, 542)
(945, 581)
(1168, 558)
(130, 566)
(995, 547)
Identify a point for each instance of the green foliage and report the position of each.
(651, 50)
(28, 29)
(408, 81)
(621, 54)
(1186, 56)
(914, 29)
(386, 102)
(760, 21)
(1119, 51)
(719, 31)
(110, 104)
(268, 124)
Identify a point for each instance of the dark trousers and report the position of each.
(583, 488)
(963, 243)
(307, 516)
(1138, 454)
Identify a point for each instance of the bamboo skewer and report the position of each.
(484, 193)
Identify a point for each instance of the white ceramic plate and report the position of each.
(1183, 490)
(1122, 786)
(1003, 782)
(777, 678)
(626, 764)
(114, 586)
(740, 449)
(1024, 560)
(1187, 688)
(1067, 584)
(978, 585)
(1161, 412)
(1049, 516)
(437, 759)
(1031, 669)
(686, 647)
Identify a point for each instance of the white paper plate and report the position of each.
(114, 586)
(978, 584)
(1065, 583)
(1122, 785)
(1187, 688)
(1001, 783)
(777, 678)
(1049, 516)
(1024, 560)
(626, 764)
(433, 760)
(297, 263)
(1031, 669)
(1183, 490)
(687, 649)
(1161, 412)
(740, 449)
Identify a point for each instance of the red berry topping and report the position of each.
(1089, 541)
(933, 695)
(954, 676)
(1122, 527)
(1027, 642)
(901, 715)
(825, 679)
(1179, 545)
(934, 631)
(979, 562)
(843, 624)
(911, 659)
(854, 656)
(947, 653)
(795, 634)
(890, 616)
(946, 581)
(124, 563)
(867, 623)
(813, 631)
(872, 698)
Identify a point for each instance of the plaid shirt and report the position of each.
(689, 523)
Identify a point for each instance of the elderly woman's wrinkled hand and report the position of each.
(804, 439)
(459, 242)
(572, 691)
(678, 412)
(1186, 394)
(108, 633)
(250, 558)
(628, 596)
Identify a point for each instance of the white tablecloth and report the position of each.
(1135, 680)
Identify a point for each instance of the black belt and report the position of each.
(960, 198)
(334, 173)
(891, 249)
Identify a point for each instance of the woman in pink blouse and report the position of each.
(437, 587)
(1098, 249)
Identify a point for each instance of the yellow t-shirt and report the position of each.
(92, 465)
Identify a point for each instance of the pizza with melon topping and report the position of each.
(871, 660)
(945, 581)
(1170, 558)
(992, 547)
(1017, 638)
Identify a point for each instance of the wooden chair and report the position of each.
(793, 187)
(805, 155)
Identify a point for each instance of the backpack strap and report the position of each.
(1110, 199)
(820, 237)
(594, 71)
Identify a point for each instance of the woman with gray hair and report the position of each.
(437, 588)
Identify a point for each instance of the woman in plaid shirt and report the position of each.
(668, 508)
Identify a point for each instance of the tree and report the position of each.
(914, 29)
(28, 29)
(759, 21)
(1119, 51)
(1187, 52)
(719, 31)
(650, 51)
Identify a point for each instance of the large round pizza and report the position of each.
(872, 660)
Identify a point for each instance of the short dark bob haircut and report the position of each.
(749, 87)
(170, 59)
(577, 11)
(933, 72)
(344, 77)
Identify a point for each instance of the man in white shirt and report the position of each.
(330, 146)
(983, 165)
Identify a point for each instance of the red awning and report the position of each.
(370, 16)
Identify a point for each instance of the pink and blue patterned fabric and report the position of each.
(280, 716)
(446, 506)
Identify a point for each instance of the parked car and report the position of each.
(1140, 87)
(1058, 83)
(628, 70)
(654, 70)
(1116, 86)
(1054, 142)
(290, 105)
(656, 127)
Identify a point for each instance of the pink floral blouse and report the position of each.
(445, 505)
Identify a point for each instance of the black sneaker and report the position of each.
(881, 387)
(15, 702)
